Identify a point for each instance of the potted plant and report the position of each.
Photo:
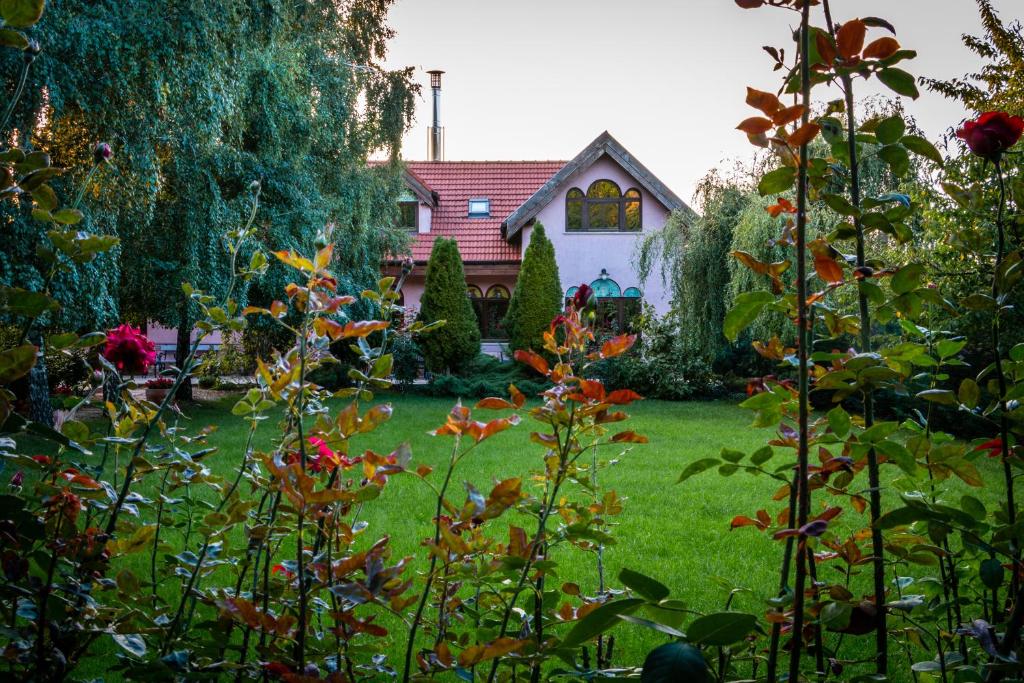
(157, 388)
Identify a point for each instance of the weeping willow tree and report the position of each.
(691, 255)
(198, 100)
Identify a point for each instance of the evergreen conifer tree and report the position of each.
(537, 298)
(444, 298)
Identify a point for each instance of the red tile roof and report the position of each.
(506, 183)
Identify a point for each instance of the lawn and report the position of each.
(677, 533)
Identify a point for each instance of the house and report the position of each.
(594, 208)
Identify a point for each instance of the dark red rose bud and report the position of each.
(582, 296)
(407, 266)
(102, 153)
(18, 478)
(991, 134)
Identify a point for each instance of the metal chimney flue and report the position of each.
(435, 139)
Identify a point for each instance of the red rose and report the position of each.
(129, 350)
(102, 153)
(582, 296)
(991, 134)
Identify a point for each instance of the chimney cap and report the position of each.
(435, 78)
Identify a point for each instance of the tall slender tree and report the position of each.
(537, 298)
(444, 298)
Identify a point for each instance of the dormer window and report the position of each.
(479, 207)
(408, 218)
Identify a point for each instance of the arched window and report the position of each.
(606, 288)
(571, 292)
(574, 209)
(497, 292)
(490, 310)
(603, 207)
(632, 293)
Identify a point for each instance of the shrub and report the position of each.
(444, 298)
(407, 360)
(230, 359)
(537, 298)
(484, 376)
(657, 366)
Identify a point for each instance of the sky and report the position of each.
(540, 79)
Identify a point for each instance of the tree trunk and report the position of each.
(39, 407)
(182, 346)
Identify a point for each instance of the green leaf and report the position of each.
(899, 81)
(897, 158)
(695, 468)
(16, 362)
(132, 642)
(991, 573)
(30, 304)
(890, 130)
(907, 278)
(902, 516)
(721, 628)
(67, 216)
(599, 621)
(12, 38)
(941, 396)
(840, 205)
(777, 181)
(744, 312)
(970, 393)
(644, 586)
(762, 455)
(922, 148)
(21, 13)
(839, 421)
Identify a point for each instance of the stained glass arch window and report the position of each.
(606, 288)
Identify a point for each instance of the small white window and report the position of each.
(479, 207)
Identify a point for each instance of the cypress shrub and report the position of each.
(538, 295)
(444, 298)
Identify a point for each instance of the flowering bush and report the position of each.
(160, 383)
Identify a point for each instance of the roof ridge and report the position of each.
(487, 161)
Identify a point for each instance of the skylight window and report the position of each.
(479, 207)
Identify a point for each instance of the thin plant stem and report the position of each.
(803, 353)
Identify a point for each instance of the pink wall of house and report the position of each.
(582, 255)
(161, 335)
(412, 290)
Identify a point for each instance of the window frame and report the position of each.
(478, 214)
(575, 195)
(415, 204)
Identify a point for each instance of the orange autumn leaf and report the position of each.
(622, 397)
(882, 48)
(534, 360)
(493, 404)
(850, 38)
(765, 101)
(786, 116)
(804, 134)
(826, 48)
(828, 269)
(629, 437)
(783, 206)
(518, 398)
(755, 125)
(616, 346)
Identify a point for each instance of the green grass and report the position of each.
(676, 533)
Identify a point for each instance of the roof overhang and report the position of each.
(420, 189)
(603, 145)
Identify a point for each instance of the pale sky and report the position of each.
(539, 79)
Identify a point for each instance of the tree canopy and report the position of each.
(444, 298)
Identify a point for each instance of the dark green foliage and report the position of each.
(537, 298)
(675, 662)
(657, 367)
(407, 360)
(485, 376)
(198, 100)
(444, 298)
